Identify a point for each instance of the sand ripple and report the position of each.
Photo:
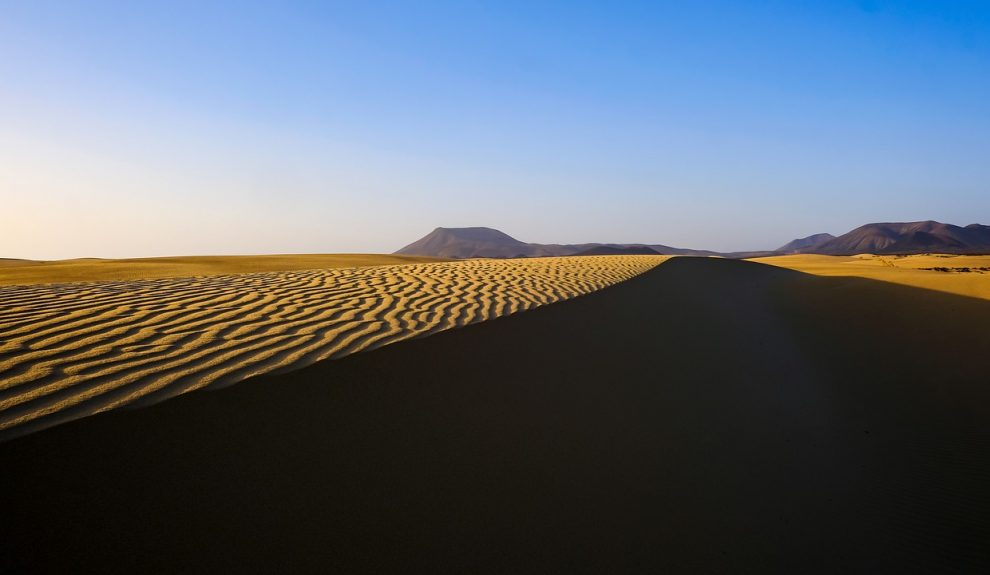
(71, 350)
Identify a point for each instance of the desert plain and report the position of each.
(595, 413)
(964, 275)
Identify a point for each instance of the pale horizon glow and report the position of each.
(192, 128)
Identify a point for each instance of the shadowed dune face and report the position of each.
(71, 350)
(706, 416)
(20, 272)
(957, 274)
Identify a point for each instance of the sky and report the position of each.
(176, 128)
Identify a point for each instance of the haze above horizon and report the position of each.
(302, 127)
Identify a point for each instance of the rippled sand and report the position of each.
(70, 350)
(97, 269)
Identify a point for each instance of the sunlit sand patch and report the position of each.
(957, 274)
(70, 350)
(92, 269)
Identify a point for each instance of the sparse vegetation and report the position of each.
(962, 270)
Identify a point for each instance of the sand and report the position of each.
(906, 270)
(71, 350)
(13, 271)
(708, 416)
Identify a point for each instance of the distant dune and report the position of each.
(956, 274)
(13, 262)
(71, 350)
(94, 269)
(708, 416)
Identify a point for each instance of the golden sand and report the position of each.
(14, 271)
(960, 275)
(70, 350)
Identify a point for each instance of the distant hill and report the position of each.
(907, 238)
(669, 251)
(491, 243)
(619, 251)
(802, 244)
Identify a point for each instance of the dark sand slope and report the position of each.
(707, 416)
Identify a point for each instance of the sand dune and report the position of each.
(13, 262)
(93, 269)
(70, 350)
(961, 275)
(708, 416)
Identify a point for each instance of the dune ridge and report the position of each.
(71, 350)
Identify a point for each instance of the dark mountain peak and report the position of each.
(467, 243)
(478, 234)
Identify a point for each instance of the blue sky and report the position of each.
(161, 128)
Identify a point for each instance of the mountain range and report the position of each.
(878, 238)
(491, 243)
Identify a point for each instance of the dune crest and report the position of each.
(71, 350)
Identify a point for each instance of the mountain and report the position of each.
(908, 237)
(490, 243)
(468, 243)
(802, 244)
